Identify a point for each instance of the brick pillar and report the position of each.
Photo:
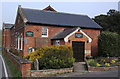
(26, 69)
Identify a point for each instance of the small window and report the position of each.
(44, 32)
(30, 49)
(51, 42)
(57, 42)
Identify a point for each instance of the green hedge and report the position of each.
(53, 57)
(108, 44)
(56, 57)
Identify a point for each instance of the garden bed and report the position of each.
(103, 64)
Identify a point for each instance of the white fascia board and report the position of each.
(89, 39)
(66, 38)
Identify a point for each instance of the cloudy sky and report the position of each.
(91, 8)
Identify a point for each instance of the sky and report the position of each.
(8, 9)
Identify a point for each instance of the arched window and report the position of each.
(18, 42)
(21, 41)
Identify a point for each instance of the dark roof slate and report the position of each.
(8, 26)
(62, 34)
(57, 18)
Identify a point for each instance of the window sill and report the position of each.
(20, 49)
(44, 36)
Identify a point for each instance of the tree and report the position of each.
(112, 12)
(108, 44)
(110, 22)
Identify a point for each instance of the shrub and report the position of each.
(55, 63)
(53, 57)
(10, 50)
(107, 64)
(92, 62)
(34, 55)
(118, 63)
(112, 62)
(98, 65)
(16, 53)
(108, 44)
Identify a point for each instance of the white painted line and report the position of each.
(6, 75)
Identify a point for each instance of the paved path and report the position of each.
(79, 68)
(81, 71)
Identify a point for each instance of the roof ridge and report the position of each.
(8, 24)
(55, 12)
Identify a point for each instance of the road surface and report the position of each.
(113, 73)
(3, 71)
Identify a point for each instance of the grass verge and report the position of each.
(14, 71)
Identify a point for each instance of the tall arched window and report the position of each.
(15, 42)
(21, 41)
(18, 42)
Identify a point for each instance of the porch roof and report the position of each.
(62, 34)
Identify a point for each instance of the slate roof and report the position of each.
(8, 26)
(57, 18)
(62, 34)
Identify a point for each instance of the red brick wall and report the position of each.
(84, 39)
(22, 65)
(94, 35)
(37, 34)
(18, 29)
(52, 30)
(3, 38)
(6, 38)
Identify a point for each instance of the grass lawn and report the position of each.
(14, 71)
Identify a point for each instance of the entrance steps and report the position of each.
(80, 67)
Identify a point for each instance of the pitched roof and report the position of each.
(57, 18)
(49, 8)
(8, 26)
(62, 34)
(66, 33)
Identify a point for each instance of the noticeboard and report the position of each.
(78, 35)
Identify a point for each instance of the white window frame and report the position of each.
(21, 41)
(47, 32)
(15, 42)
(57, 42)
(18, 42)
(32, 49)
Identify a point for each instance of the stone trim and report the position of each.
(22, 14)
(87, 51)
(49, 72)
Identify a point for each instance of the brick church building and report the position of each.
(36, 28)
